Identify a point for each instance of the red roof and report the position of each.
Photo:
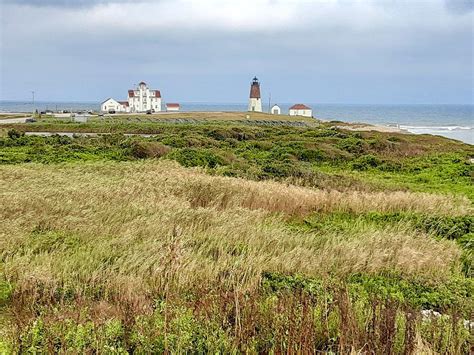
(300, 107)
(172, 105)
(131, 93)
(157, 93)
(125, 103)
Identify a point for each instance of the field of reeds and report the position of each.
(236, 240)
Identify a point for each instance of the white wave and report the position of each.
(436, 128)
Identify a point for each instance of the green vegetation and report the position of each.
(226, 238)
(306, 156)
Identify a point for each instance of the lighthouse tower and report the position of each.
(255, 102)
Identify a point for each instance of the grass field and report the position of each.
(226, 238)
(211, 116)
(12, 115)
(171, 116)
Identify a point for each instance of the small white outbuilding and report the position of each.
(301, 110)
(170, 107)
(111, 105)
(276, 110)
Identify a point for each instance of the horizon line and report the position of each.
(245, 103)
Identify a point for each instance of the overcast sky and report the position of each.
(417, 51)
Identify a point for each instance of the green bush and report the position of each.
(276, 169)
(14, 134)
(411, 292)
(6, 290)
(467, 257)
(33, 341)
(352, 145)
(390, 166)
(365, 162)
(311, 155)
(446, 226)
(78, 337)
(197, 157)
(60, 140)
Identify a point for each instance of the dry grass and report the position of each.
(105, 241)
(127, 227)
(218, 116)
(13, 115)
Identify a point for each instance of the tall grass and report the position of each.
(125, 240)
(99, 222)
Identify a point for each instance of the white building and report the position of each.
(141, 99)
(112, 106)
(255, 101)
(170, 107)
(301, 110)
(276, 110)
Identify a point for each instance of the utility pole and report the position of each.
(33, 100)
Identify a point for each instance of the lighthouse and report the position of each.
(255, 102)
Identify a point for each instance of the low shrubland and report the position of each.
(315, 157)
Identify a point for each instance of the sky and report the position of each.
(333, 51)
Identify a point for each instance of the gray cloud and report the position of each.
(208, 50)
(459, 6)
(63, 3)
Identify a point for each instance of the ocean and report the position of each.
(452, 121)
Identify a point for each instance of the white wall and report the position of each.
(255, 105)
(157, 104)
(305, 113)
(112, 104)
(276, 110)
(143, 100)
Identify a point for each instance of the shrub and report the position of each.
(352, 145)
(394, 139)
(176, 142)
(311, 155)
(221, 134)
(14, 134)
(416, 292)
(78, 337)
(113, 334)
(197, 157)
(390, 165)
(60, 140)
(6, 290)
(144, 150)
(33, 341)
(467, 258)
(365, 162)
(277, 169)
(316, 133)
(262, 145)
(447, 227)
(232, 142)
(380, 144)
